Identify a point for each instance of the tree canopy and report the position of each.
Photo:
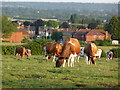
(57, 36)
(52, 23)
(8, 27)
(114, 28)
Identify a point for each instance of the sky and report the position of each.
(82, 1)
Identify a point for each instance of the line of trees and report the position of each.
(8, 27)
(113, 27)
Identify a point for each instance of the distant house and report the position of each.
(25, 33)
(16, 37)
(91, 35)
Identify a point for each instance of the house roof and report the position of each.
(82, 32)
(91, 32)
(23, 31)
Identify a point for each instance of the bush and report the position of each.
(116, 52)
(82, 43)
(36, 46)
(25, 40)
(103, 43)
(103, 54)
(8, 50)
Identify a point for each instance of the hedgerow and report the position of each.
(36, 46)
(116, 52)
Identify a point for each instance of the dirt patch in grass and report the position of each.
(80, 85)
(29, 76)
(109, 86)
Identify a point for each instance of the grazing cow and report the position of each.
(22, 51)
(52, 49)
(70, 50)
(109, 55)
(98, 54)
(90, 50)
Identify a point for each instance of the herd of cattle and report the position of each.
(69, 52)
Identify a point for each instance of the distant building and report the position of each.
(91, 35)
(16, 37)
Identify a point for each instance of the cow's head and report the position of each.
(59, 61)
(93, 59)
(28, 52)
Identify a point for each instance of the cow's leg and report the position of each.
(54, 58)
(86, 59)
(46, 57)
(68, 62)
(78, 57)
(64, 63)
(89, 60)
(22, 55)
(72, 61)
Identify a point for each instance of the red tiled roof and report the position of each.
(82, 32)
(96, 32)
(23, 31)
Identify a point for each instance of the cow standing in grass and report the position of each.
(52, 49)
(70, 51)
(91, 50)
(21, 51)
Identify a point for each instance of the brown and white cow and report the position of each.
(22, 51)
(90, 50)
(52, 49)
(70, 50)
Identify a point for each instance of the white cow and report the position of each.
(98, 54)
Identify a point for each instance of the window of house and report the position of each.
(95, 36)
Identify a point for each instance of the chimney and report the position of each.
(106, 35)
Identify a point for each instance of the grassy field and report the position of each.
(38, 73)
(11, 44)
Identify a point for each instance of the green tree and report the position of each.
(8, 27)
(38, 23)
(65, 25)
(57, 36)
(114, 27)
(52, 23)
(74, 27)
(74, 18)
(92, 25)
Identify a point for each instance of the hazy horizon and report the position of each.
(74, 1)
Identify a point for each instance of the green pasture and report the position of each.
(36, 72)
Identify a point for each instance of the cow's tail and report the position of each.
(45, 50)
(15, 52)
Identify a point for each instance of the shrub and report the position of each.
(36, 46)
(82, 43)
(8, 50)
(103, 54)
(116, 52)
(103, 43)
(25, 40)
